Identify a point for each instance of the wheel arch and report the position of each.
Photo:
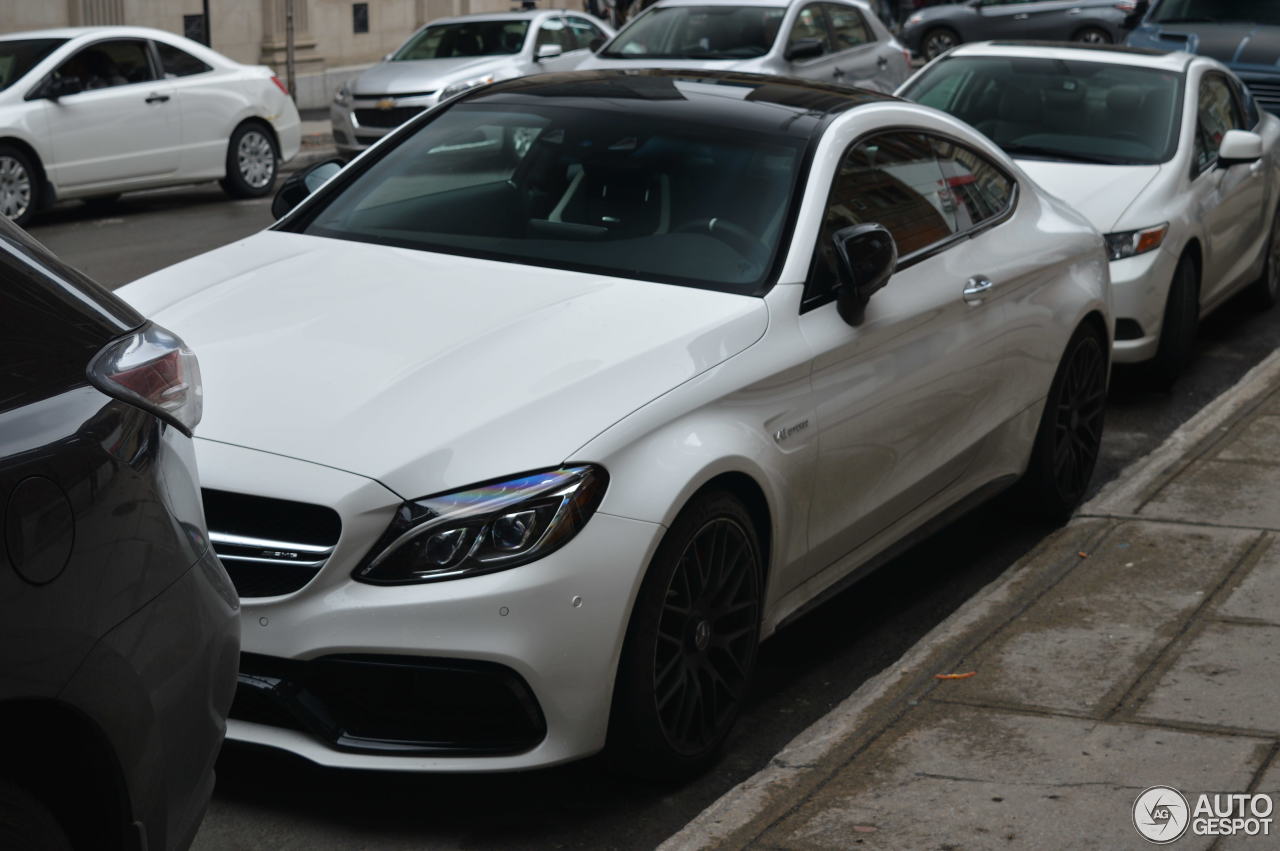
(62, 757)
(255, 119)
(752, 496)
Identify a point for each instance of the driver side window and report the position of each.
(810, 25)
(1218, 113)
(107, 64)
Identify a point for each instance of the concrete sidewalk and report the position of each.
(1137, 646)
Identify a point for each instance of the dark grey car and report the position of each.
(935, 30)
(119, 630)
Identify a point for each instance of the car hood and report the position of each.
(426, 371)
(1101, 192)
(421, 75)
(1229, 43)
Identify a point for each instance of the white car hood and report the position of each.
(426, 371)
(1101, 192)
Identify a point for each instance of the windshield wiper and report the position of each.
(1070, 156)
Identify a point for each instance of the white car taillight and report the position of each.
(153, 369)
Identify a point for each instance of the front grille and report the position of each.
(269, 546)
(1266, 91)
(393, 117)
(393, 704)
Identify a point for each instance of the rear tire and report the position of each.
(19, 185)
(252, 162)
(690, 648)
(938, 41)
(1265, 292)
(1070, 433)
(1179, 325)
(1092, 35)
(28, 824)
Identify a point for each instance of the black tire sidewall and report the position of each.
(37, 187)
(636, 743)
(234, 183)
(1106, 36)
(1178, 326)
(928, 36)
(28, 824)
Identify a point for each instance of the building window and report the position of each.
(193, 28)
(360, 17)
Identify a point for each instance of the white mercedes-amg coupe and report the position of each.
(525, 428)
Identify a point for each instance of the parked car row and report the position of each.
(621, 370)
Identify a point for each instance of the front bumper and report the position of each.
(1139, 289)
(557, 624)
(381, 115)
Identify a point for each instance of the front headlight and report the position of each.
(484, 528)
(454, 88)
(914, 19)
(1131, 243)
(342, 97)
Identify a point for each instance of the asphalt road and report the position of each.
(268, 800)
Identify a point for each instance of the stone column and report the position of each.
(429, 10)
(305, 58)
(95, 13)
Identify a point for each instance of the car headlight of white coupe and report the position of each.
(1131, 243)
(453, 88)
(485, 528)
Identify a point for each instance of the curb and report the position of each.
(724, 823)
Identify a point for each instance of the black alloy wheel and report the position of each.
(691, 644)
(27, 823)
(938, 41)
(1070, 434)
(1265, 292)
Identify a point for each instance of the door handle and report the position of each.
(976, 289)
(839, 72)
(1075, 11)
(1021, 17)
(882, 62)
(155, 98)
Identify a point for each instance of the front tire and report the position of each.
(19, 185)
(1265, 292)
(1092, 35)
(690, 648)
(1179, 325)
(26, 823)
(1070, 434)
(252, 162)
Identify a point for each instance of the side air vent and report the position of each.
(269, 546)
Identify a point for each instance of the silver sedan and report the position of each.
(451, 55)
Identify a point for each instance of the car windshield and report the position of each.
(465, 38)
(18, 56)
(1058, 109)
(698, 32)
(629, 195)
(1217, 11)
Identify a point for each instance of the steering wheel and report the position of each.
(735, 236)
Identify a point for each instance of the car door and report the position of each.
(810, 24)
(1230, 200)
(585, 34)
(207, 107)
(122, 126)
(857, 59)
(1011, 18)
(904, 398)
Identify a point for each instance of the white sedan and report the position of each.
(526, 427)
(95, 111)
(1167, 154)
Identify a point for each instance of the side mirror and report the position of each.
(805, 48)
(1239, 146)
(595, 44)
(548, 51)
(866, 256)
(302, 183)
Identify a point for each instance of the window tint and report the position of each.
(847, 26)
(109, 63)
(810, 25)
(179, 63)
(471, 38)
(1218, 114)
(1245, 98)
(584, 32)
(923, 189)
(18, 56)
(699, 32)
